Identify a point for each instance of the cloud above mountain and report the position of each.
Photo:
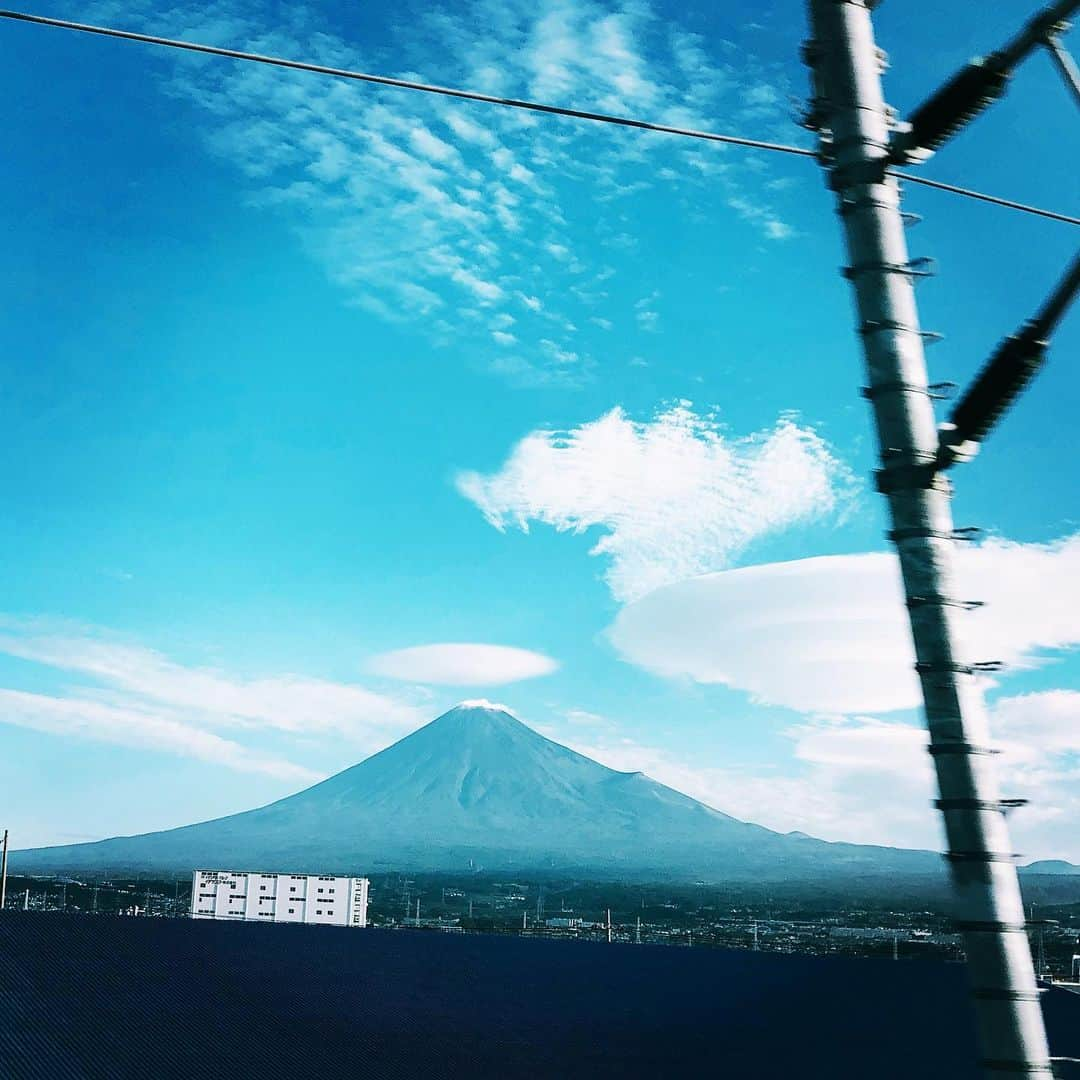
(461, 664)
(670, 497)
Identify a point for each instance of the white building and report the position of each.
(289, 898)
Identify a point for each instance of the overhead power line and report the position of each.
(996, 200)
(513, 103)
(406, 84)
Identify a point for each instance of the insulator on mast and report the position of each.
(1005, 375)
(974, 87)
(1000, 382)
(945, 112)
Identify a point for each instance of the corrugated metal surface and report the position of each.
(155, 999)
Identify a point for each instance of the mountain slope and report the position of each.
(476, 785)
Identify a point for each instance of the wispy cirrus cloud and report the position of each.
(134, 696)
(671, 497)
(142, 727)
(449, 215)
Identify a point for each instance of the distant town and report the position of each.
(793, 920)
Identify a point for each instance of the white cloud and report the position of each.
(138, 697)
(468, 131)
(647, 317)
(671, 497)
(1032, 725)
(483, 290)
(830, 634)
(582, 718)
(292, 703)
(875, 790)
(558, 355)
(462, 664)
(865, 780)
(141, 728)
(878, 780)
(431, 146)
(761, 215)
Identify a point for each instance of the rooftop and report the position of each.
(125, 998)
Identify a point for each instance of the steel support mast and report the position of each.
(3, 873)
(855, 124)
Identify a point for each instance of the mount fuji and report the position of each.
(477, 787)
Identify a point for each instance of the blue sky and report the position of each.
(300, 375)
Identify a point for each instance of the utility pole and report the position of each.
(850, 111)
(3, 873)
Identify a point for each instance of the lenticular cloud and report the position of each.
(830, 634)
(462, 664)
(673, 497)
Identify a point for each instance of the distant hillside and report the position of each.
(478, 787)
(1051, 866)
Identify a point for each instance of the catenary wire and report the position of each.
(406, 84)
(1010, 204)
(515, 103)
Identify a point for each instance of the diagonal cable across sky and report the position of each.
(517, 103)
